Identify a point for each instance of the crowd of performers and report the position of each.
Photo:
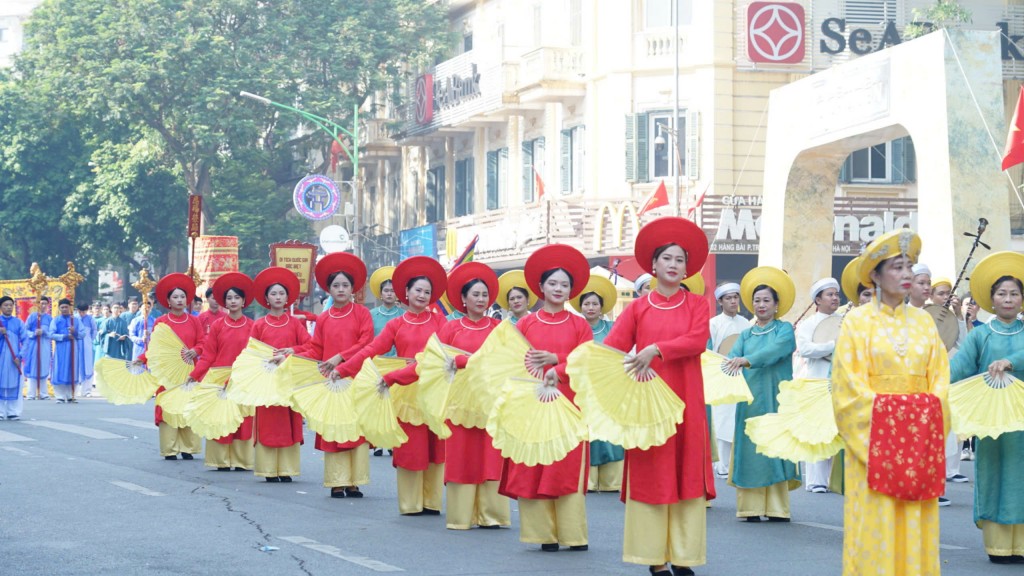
(875, 392)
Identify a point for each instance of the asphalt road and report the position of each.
(83, 490)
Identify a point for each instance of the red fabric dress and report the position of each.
(344, 332)
(559, 334)
(207, 318)
(408, 334)
(226, 340)
(470, 456)
(190, 331)
(279, 426)
(680, 469)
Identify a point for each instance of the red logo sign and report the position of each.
(775, 32)
(424, 99)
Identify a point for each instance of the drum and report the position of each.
(726, 345)
(827, 330)
(946, 322)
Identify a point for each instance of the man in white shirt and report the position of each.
(726, 324)
(814, 360)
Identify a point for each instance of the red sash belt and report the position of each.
(907, 458)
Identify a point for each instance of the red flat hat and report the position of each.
(341, 262)
(419, 266)
(672, 230)
(171, 282)
(469, 271)
(276, 275)
(233, 280)
(557, 256)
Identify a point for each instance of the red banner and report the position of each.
(195, 216)
(300, 258)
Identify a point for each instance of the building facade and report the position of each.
(13, 14)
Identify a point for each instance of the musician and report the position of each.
(764, 352)
(920, 286)
(889, 356)
(941, 293)
(814, 360)
(998, 348)
(726, 324)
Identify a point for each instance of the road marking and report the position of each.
(363, 561)
(80, 430)
(136, 488)
(840, 529)
(12, 437)
(148, 425)
(20, 451)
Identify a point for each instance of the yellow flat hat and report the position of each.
(380, 276)
(693, 283)
(888, 245)
(768, 276)
(604, 288)
(938, 280)
(850, 280)
(990, 269)
(513, 279)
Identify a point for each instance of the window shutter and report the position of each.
(909, 160)
(643, 150)
(691, 160)
(431, 204)
(528, 179)
(441, 199)
(566, 163)
(470, 188)
(630, 139)
(503, 177)
(492, 180)
(579, 135)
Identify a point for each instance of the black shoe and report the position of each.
(1000, 559)
(186, 456)
(427, 511)
(60, 400)
(753, 518)
(337, 494)
(72, 401)
(223, 468)
(681, 571)
(285, 478)
(1017, 559)
(777, 519)
(580, 548)
(662, 572)
(353, 492)
(15, 417)
(378, 452)
(273, 479)
(489, 527)
(549, 547)
(240, 469)
(170, 457)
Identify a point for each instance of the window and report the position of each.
(533, 168)
(467, 42)
(887, 163)
(576, 22)
(497, 178)
(572, 160)
(464, 187)
(658, 13)
(3, 32)
(870, 11)
(435, 194)
(663, 162)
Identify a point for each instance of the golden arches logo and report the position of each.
(618, 219)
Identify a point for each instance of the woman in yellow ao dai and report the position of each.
(886, 347)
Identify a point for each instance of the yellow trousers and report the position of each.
(238, 454)
(348, 468)
(420, 489)
(1003, 539)
(667, 533)
(274, 462)
(476, 504)
(606, 477)
(174, 441)
(562, 520)
(768, 501)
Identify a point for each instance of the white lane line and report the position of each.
(12, 437)
(363, 561)
(136, 488)
(80, 430)
(21, 452)
(840, 529)
(148, 425)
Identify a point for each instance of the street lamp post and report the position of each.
(659, 140)
(336, 132)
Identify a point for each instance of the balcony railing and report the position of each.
(545, 66)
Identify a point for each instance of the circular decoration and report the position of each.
(316, 197)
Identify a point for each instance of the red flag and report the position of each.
(700, 201)
(1014, 152)
(540, 185)
(656, 200)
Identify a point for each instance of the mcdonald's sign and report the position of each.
(618, 216)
